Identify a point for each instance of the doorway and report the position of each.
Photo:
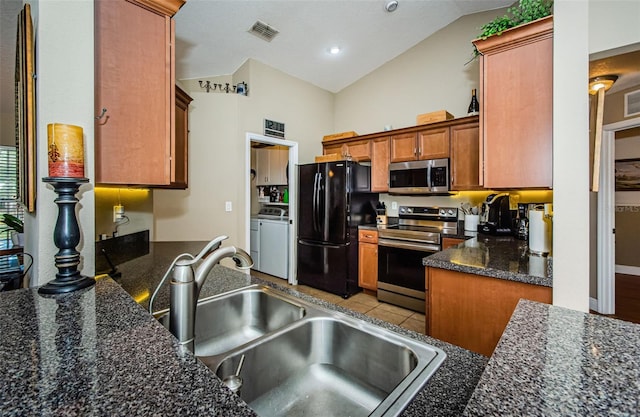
(606, 242)
(252, 190)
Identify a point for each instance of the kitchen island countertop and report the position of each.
(97, 352)
(502, 257)
(553, 361)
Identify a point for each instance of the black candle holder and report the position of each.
(66, 237)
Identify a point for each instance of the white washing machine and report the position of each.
(270, 230)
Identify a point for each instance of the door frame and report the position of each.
(606, 269)
(293, 195)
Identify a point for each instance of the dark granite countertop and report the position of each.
(97, 352)
(552, 361)
(446, 392)
(502, 257)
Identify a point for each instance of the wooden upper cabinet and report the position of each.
(516, 87)
(380, 165)
(465, 160)
(403, 147)
(433, 143)
(359, 150)
(425, 144)
(271, 165)
(180, 152)
(134, 83)
(165, 7)
(457, 140)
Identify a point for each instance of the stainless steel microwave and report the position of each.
(419, 177)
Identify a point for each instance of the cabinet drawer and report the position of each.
(368, 236)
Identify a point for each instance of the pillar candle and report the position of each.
(66, 150)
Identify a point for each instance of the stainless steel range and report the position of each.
(401, 248)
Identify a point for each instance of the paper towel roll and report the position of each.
(539, 232)
(471, 222)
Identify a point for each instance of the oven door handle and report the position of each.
(424, 247)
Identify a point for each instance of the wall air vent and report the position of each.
(263, 31)
(632, 103)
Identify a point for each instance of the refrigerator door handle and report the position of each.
(319, 206)
(314, 211)
(323, 245)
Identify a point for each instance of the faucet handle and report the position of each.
(210, 247)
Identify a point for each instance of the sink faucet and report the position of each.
(186, 285)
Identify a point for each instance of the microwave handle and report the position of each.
(429, 168)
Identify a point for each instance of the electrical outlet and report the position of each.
(227, 206)
(118, 212)
(394, 205)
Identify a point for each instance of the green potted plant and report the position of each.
(526, 11)
(17, 226)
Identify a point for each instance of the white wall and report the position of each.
(570, 156)
(215, 169)
(430, 76)
(217, 172)
(64, 94)
(581, 28)
(612, 23)
(306, 110)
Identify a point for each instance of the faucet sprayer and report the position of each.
(186, 285)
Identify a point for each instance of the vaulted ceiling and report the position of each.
(212, 35)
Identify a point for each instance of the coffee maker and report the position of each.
(496, 217)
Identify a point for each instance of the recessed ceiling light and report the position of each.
(334, 50)
(391, 6)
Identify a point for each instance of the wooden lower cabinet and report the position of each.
(448, 242)
(368, 259)
(472, 311)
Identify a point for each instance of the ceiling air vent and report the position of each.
(632, 103)
(263, 31)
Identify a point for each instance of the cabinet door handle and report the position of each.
(102, 113)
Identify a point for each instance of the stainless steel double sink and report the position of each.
(302, 359)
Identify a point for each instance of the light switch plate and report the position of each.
(394, 205)
(227, 206)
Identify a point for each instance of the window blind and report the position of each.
(9, 201)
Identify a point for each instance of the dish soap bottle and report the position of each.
(285, 196)
(474, 106)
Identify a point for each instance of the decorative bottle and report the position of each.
(474, 106)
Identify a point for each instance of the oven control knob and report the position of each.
(450, 212)
(409, 210)
(402, 210)
(442, 212)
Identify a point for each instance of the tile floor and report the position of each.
(362, 303)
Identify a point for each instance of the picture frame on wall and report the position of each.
(25, 101)
(627, 174)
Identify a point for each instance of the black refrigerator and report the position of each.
(334, 199)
